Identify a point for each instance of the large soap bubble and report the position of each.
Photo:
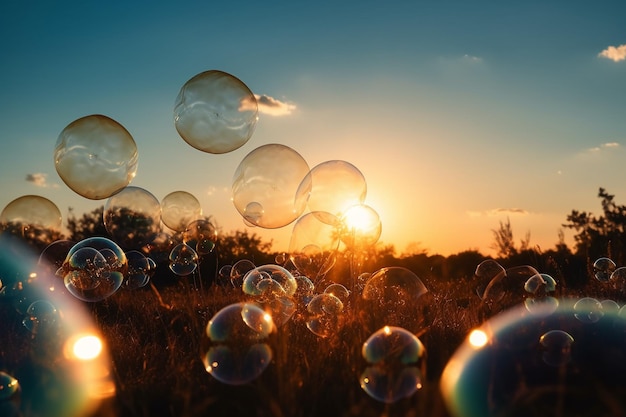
(132, 217)
(529, 364)
(95, 156)
(215, 112)
(31, 216)
(179, 209)
(266, 187)
(334, 187)
(238, 351)
(396, 359)
(361, 227)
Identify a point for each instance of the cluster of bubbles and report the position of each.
(57, 364)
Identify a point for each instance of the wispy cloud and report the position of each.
(498, 212)
(614, 53)
(607, 145)
(472, 59)
(40, 180)
(269, 105)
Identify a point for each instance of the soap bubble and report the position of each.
(201, 235)
(557, 346)
(215, 112)
(179, 209)
(239, 270)
(314, 242)
(95, 156)
(94, 269)
(508, 289)
(325, 315)
(396, 364)
(338, 291)
(361, 227)
(588, 310)
(265, 187)
(334, 186)
(32, 217)
(52, 382)
(140, 270)
(538, 365)
(41, 316)
(609, 306)
(183, 260)
(53, 255)
(603, 268)
(238, 351)
(392, 295)
(132, 217)
(485, 272)
(284, 282)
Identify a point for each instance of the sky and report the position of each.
(460, 115)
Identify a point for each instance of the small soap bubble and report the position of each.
(238, 351)
(609, 306)
(179, 209)
(557, 346)
(132, 217)
(239, 270)
(183, 260)
(201, 235)
(338, 291)
(603, 268)
(95, 156)
(9, 386)
(485, 272)
(215, 112)
(325, 315)
(140, 269)
(588, 310)
(265, 186)
(41, 316)
(396, 364)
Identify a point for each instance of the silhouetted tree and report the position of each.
(239, 245)
(603, 235)
(89, 225)
(505, 243)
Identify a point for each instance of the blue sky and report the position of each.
(459, 114)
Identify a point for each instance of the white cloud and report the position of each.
(39, 179)
(607, 145)
(269, 105)
(472, 59)
(614, 53)
(498, 211)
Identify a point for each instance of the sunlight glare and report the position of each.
(478, 338)
(87, 347)
(359, 218)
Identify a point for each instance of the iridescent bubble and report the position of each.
(557, 346)
(334, 186)
(396, 364)
(139, 270)
(132, 217)
(361, 227)
(538, 365)
(538, 287)
(265, 186)
(603, 268)
(325, 315)
(32, 217)
(338, 291)
(94, 269)
(392, 295)
(179, 209)
(305, 290)
(183, 260)
(485, 272)
(609, 306)
(508, 289)
(215, 112)
(275, 273)
(41, 316)
(314, 242)
(239, 270)
(201, 235)
(9, 386)
(95, 156)
(238, 351)
(588, 310)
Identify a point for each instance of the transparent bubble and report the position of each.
(201, 235)
(618, 278)
(183, 260)
(338, 291)
(277, 274)
(132, 217)
(325, 315)
(41, 316)
(52, 380)
(281, 259)
(541, 305)
(361, 227)
(305, 290)
(140, 269)
(238, 353)
(609, 306)
(179, 209)
(538, 287)
(239, 270)
(31, 211)
(588, 310)
(603, 268)
(53, 255)
(314, 242)
(485, 272)
(95, 156)
(509, 289)
(557, 346)
(391, 296)
(215, 112)
(94, 269)
(160, 247)
(538, 365)
(334, 186)
(396, 364)
(265, 186)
